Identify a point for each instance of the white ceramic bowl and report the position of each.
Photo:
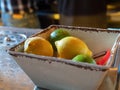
(61, 74)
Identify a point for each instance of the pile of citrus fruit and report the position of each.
(60, 41)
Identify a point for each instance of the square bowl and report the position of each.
(61, 74)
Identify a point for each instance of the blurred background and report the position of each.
(113, 13)
(49, 14)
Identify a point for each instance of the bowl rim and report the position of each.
(86, 29)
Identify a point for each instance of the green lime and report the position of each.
(57, 35)
(83, 58)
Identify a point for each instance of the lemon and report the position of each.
(69, 47)
(39, 46)
(57, 35)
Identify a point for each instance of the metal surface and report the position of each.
(10, 36)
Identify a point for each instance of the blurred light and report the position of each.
(56, 16)
(109, 7)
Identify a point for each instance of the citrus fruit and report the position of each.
(83, 58)
(57, 35)
(39, 46)
(70, 46)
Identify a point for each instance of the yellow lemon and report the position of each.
(39, 46)
(70, 46)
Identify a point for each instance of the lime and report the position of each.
(57, 35)
(39, 46)
(84, 58)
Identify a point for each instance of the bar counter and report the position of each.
(12, 77)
